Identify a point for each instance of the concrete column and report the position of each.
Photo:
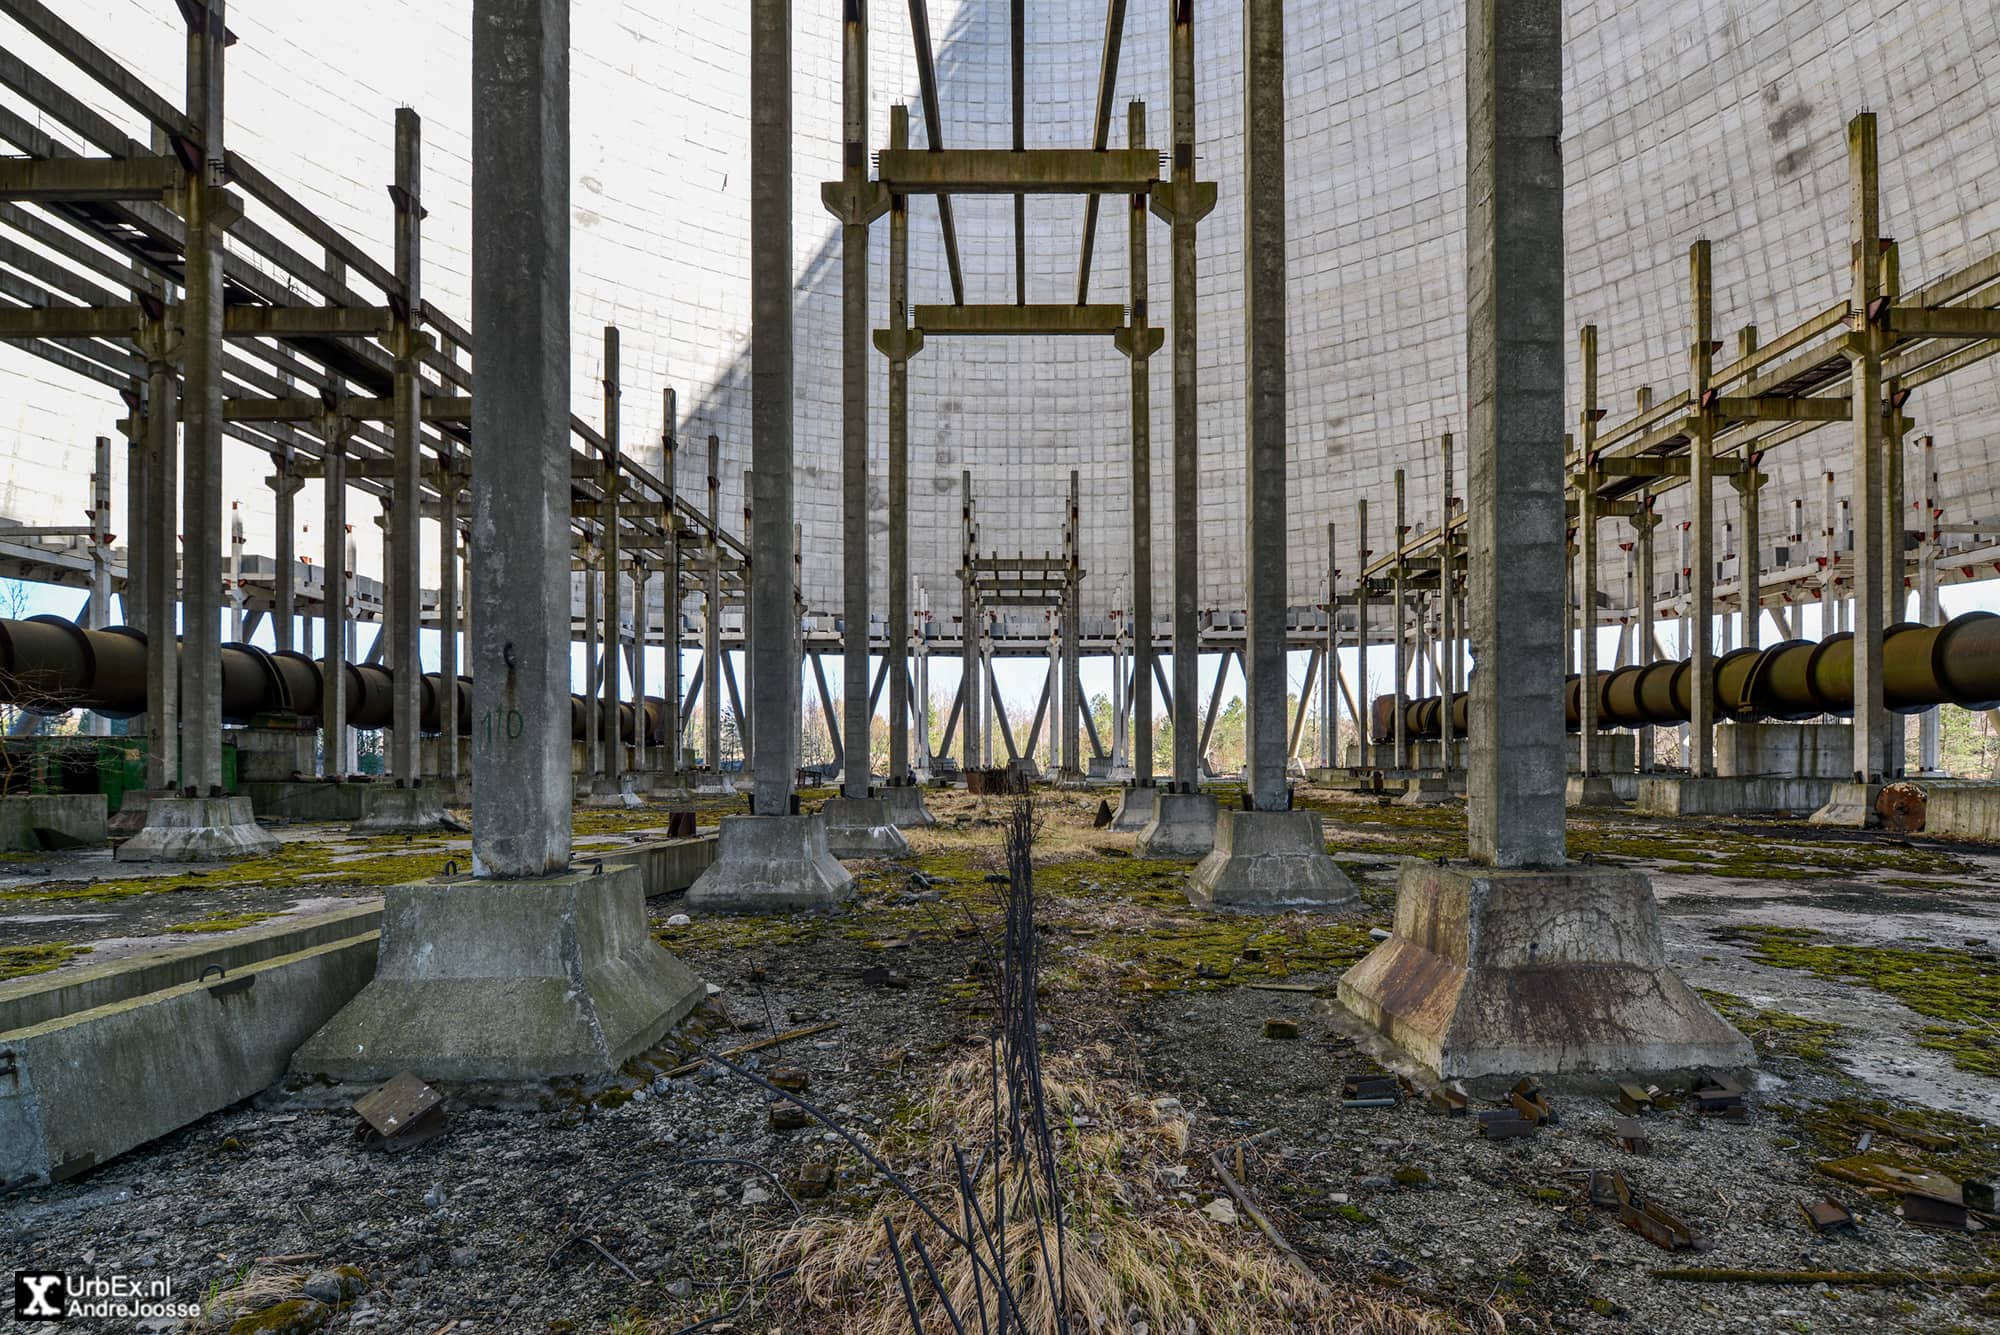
(1363, 705)
(899, 343)
(1649, 596)
(100, 557)
(209, 213)
(1877, 736)
(1701, 525)
(1749, 486)
(773, 673)
(642, 573)
(614, 608)
(138, 601)
(1930, 755)
(1072, 636)
(1181, 204)
(711, 615)
(1447, 600)
(285, 486)
(1139, 341)
(1121, 761)
(1401, 654)
(593, 735)
(400, 582)
(337, 756)
(1514, 290)
(521, 471)
(920, 645)
(670, 602)
(449, 607)
(856, 201)
(972, 688)
(1329, 689)
(1587, 517)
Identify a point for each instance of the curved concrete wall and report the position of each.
(1717, 121)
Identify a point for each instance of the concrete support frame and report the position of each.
(1139, 341)
(285, 485)
(612, 683)
(1520, 963)
(406, 501)
(1701, 511)
(1362, 704)
(671, 721)
(337, 757)
(1877, 735)
(711, 615)
(1400, 657)
(520, 475)
(162, 557)
(449, 611)
(1447, 605)
(1075, 707)
(899, 343)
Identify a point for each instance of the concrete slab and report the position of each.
(1135, 810)
(148, 1046)
(492, 980)
(311, 799)
(1678, 795)
(1596, 790)
(1493, 973)
(1785, 750)
(32, 822)
(600, 792)
(904, 804)
(198, 829)
(1270, 860)
(275, 755)
(667, 865)
(393, 809)
(1428, 790)
(1849, 806)
(771, 864)
(1962, 810)
(1183, 826)
(859, 827)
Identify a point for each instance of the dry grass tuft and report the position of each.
(1130, 1244)
(257, 1290)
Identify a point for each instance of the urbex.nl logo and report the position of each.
(48, 1295)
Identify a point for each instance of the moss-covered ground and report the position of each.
(21, 961)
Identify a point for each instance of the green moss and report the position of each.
(299, 861)
(20, 961)
(1354, 1214)
(1829, 1131)
(285, 1318)
(222, 922)
(746, 932)
(1959, 990)
(1202, 954)
(1776, 1033)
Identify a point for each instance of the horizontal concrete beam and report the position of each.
(1945, 322)
(238, 322)
(1783, 409)
(1007, 320)
(87, 180)
(438, 408)
(1036, 171)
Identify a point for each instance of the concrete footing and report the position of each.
(198, 829)
(600, 792)
(1507, 973)
(1426, 791)
(130, 818)
(508, 980)
(393, 809)
(36, 821)
(708, 783)
(1269, 860)
(1135, 810)
(105, 1058)
(1962, 810)
(1795, 750)
(904, 804)
(1183, 826)
(1679, 795)
(771, 864)
(859, 827)
(1849, 805)
(1592, 790)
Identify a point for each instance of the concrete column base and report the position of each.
(600, 792)
(771, 864)
(1269, 860)
(130, 818)
(198, 829)
(1135, 810)
(859, 827)
(1183, 826)
(710, 784)
(1679, 795)
(1593, 790)
(904, 804)
(1426, 791)
(33, 822)
(393, 809)
(1509, 973)
(508, 980)
(1964, 810)
(1849, 806)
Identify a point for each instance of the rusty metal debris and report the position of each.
(1720, 1098)
(1370, 1091)
(1827, 1214)
(1103, 816)
(1504, 1124)
(1634, 1100)
(680, 825)
(1278, 1027)
(1901, 807)
(1631, 1135)
(1530, 1102)
(787, 1117)
(1449, 1100)
(400, 1114)
(790, 1079)
(1649, 1219)
(1606, 1189)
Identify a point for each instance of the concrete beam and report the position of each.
(87, 180)
(1007, 320)
(1035, 171)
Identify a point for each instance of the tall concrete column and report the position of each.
(774, 676)
(138, 492)
(449, 608)
(1329, 713)
(642, 572)
(401, 584)
(1182, 203)
(920, 637)
(285, 486)
(336, 753)
(1467, 985)
(100, 556)
(1514, 293)
(972, 689)
(209, 213)
(521, 471)
(1447, 604)
(711, 612)
(898, 342)
(670, 605)
(1877, 735)
(1701, 527)
(1587, 519)
(856, 201)
(593, 733)
(1930, 757)
(1139, 340)
(1400, 657)
(1645, 521)
(1363, 705)
(1749, 486)
(614, 607)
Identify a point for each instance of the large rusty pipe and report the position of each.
(50, 665)
(1957, 663)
